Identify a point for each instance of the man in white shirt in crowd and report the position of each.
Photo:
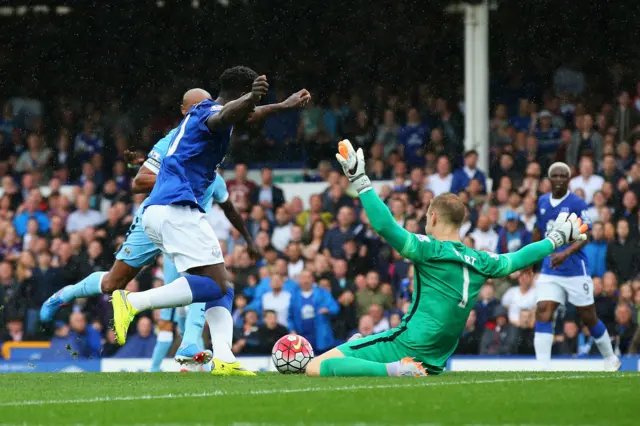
(380, 323)
(282, 231)
(296, 263)
(277, 300)
(83, 217)
(520, 298)
(586, 180)
(528, 216)
(440, 182)
(484, 236)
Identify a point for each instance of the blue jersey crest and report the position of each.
(575, 265)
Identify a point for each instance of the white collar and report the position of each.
(556, 201)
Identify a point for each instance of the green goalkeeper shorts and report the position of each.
(386, 347)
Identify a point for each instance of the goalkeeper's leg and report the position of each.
(376, 356)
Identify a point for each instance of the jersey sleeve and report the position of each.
(220, 192)
(417, 248)
(500, 265)
(158, 152)
(203, 112)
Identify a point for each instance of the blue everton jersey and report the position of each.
(189, 167)
(216, 192)
(575, 265)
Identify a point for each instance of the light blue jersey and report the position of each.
(138, 250)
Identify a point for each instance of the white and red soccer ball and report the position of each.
(291, 354)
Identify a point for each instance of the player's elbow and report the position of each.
(139, 186)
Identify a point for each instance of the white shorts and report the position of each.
(184, 234)
(578, 290)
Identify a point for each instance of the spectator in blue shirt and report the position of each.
(596, 251)
(310, 313)
(412, 139)
(88, 142)
(463, 175)
(78, 340)
(141, 344)
(30, 211)
(522, 121)
(548, 136)
(513, 236)
(334, 239)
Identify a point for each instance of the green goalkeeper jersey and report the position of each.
(447, 279)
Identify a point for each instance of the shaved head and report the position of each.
(192, 97)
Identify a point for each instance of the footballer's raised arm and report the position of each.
(237, 110)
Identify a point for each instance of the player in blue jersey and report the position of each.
(138, 251)
(174, 216)
(564, 274)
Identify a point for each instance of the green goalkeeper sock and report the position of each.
(352, 367)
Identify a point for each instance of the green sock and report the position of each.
(352, 367)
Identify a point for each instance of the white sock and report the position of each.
(604, 345)
(178, 293)
(542, 343)
(221, 328)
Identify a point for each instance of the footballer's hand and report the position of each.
(297, 100)
(352, 163)
(253, 251)
(134, 157)
(567, 229)
(259, 88)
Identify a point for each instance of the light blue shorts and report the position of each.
(137, 250)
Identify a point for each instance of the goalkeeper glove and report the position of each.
(352, 163)
(566, 230)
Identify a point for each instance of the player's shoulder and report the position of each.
(574, 200)
(205, 106)
(544, 199)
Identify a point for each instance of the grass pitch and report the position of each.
(270, 399)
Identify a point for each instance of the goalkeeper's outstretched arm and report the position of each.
(383, 223)
(567, 229)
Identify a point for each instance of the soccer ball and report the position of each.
(291, 354)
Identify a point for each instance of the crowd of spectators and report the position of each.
(323, 272)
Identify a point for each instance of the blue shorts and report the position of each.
(137, 250)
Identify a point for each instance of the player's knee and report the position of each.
(544, 311)
(165, 325)
(108, 284)
(313, 368)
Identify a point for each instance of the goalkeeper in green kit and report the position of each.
(448, 278)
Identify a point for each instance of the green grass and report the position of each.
(451, 399)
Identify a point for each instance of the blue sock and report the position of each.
(194, 325)
(203, 289)
(163, 344)
(544, 327)
(90, 286)
(597, 330)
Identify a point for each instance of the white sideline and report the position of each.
(424, 383)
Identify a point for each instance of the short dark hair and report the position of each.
(470, 152)
(237, 79)
(269, 311)
(450, 207)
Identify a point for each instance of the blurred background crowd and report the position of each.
(323, 272)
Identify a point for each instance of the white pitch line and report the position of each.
(423, 384)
